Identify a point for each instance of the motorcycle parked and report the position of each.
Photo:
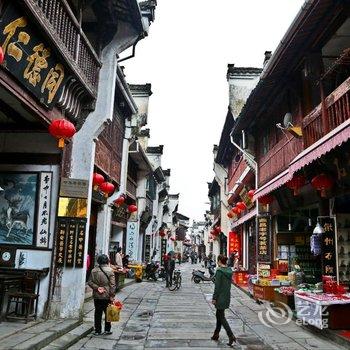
(198, 275)
(154, 271)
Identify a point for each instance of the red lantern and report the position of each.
(241, 206)
(296, 183)
(230, 215)
(120, 200)
(162, 233)
(322, 183)
(212, 232)
(107, 188)
(251, 194)
(236, 210)
(62, 129)
(266, 200)
(2, 55)
(132, 208)
(97, 180)
(218, 230)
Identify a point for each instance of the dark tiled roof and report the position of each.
(231, 69)
(167, 172)
(144, 133)
(155, 150)
(145, 5)
(146, 88)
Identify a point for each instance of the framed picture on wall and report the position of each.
(18, 204)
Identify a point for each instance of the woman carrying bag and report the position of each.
(221, 298)
(102, 282)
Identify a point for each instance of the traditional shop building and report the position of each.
(54, 66)
(301, 148)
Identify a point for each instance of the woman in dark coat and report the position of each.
(221, 298)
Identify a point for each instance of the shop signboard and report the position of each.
(71, 238)
(246, 199)
(329, 263)
(264, 239)
(234, 243)
(61, 241)
(80, 245)
(74, 188)
(132, 240)
(162, 250)
(147, 248)
(29, 58)
(44, 204)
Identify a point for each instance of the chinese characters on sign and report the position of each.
(43, 226)
(132, 240)
(162, 250)
(72, 228)
(234, 243)
(29, 58)
(61, 242)
(264, 239)
(148, 248)
(329, 266)
(75, 188)
(79, 249)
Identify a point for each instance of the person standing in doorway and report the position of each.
(221, 298)
(102, 282)
(119, 258)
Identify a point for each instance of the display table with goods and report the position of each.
(284, 296)
(323, 310)
(240, 278)
(264, 288)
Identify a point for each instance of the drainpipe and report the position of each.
(255, 164)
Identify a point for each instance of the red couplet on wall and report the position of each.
(234, 243)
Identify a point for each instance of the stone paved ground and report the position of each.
(155, 318)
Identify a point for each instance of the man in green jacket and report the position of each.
(222, 297)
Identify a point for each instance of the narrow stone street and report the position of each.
(156, 318)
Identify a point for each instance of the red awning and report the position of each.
(272, 185)
(244, 218)
(327, 143)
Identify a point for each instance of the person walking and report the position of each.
(221, 298)
(102, 282)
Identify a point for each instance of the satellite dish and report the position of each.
(287, 120)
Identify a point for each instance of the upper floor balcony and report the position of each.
(332, 112)
(61, 25)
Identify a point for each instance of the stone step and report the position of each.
(39, 335)
(70, 338)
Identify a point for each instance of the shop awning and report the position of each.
(272, 185)
(327, 143)
(244, 218)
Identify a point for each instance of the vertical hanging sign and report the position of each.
(147, 248)
(61, 241)
(43, 224)
(71, 235)
(234, 243)
(264, 239)
(329, 264)
(162, 250)
(132, 240)
(80, 246)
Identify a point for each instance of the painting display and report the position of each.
(18, 197)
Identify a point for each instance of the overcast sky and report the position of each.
(185, 59)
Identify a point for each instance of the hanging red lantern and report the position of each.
(241, 206)
(97, 180)
(119, 201)
(266, 200)
(297, 182)
(2, 55)
(251, 194)
(236, 210)
(230, 215)
(62, 130)
(322, 183)
(161, 233)
(212, 232)
(217, 230)
(107, 188)
(132, 208)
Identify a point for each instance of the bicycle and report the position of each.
(176, 283)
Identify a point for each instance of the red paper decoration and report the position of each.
(266, 200)
(62, 130)
(297, 182)
(132, 208)
(236, 210)
(251, 194)
(107, 188)
(322, 183)
(241, 206)
(2, 55)
(97, 180)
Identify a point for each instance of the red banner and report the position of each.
(234, 243)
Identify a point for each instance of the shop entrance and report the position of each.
(91, 255)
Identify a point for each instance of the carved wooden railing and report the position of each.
(57, 17)
(278, 158)
(334, 111)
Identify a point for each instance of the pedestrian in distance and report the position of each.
(221, 298)
(169, 266)
(205, 259)
(102, 282)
